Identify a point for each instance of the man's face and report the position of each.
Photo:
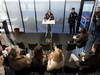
(73, 10)
(97, 9)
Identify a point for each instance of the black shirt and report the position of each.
(72, 17)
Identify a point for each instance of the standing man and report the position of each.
(49, 17)
(72, 20)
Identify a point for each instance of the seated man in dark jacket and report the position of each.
(73, 16)
(93, 61)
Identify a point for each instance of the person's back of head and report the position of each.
(84, 34)
(58, 56)
(83, 30)
(38, 52)
(12, 53)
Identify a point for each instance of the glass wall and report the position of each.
(98, 3)
(3, 14)
(14, 13)
(57, 7)
(42, 7)
(27, 7)
(70, 4)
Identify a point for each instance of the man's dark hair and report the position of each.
(73, 8)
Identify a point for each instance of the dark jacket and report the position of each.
(8, 71)
(92, 61)
(72, 17)
(82, 37)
